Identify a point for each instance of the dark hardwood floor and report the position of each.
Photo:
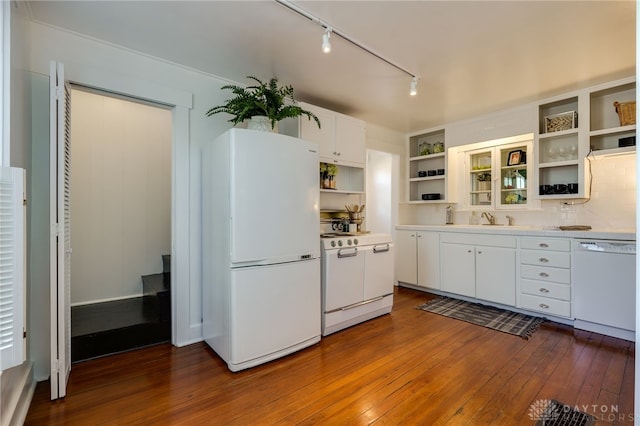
(409, 367)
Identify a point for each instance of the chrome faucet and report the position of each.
(491, 218)
(509, 220)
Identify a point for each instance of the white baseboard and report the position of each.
(111, 299)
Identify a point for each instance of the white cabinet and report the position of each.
(498, 176)
(428, 180)
(407, 257)
(458, 268)
(481, 266)
(496, 274)
(608, 131)
(545, 275)
(560, 150)
(341, 139)
(576, 126)
(418, 260)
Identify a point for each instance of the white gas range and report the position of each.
(357, 279)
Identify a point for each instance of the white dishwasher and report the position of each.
(357, 279)
(604, 281)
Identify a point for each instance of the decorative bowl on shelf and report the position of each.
(431, 197)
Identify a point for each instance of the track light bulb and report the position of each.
(414, 87)
(326, 45)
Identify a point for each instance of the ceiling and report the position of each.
(472, 57)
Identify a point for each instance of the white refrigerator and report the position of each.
(261, 249)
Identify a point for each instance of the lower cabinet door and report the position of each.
(429, 259)
(496, 274)
(406, 269)
(458, 269)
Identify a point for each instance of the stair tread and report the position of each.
(99, 317)
(154, 283)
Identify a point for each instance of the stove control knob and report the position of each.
(349, 241)
(340, 243)
(355, 241)
(333, 243)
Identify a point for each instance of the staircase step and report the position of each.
(156, 283)
(166, 263)
(110, 327)
(109, 342)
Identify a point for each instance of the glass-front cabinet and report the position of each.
(498, 176)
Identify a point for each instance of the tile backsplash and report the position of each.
(612, 203)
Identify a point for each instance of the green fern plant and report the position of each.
(266, 99)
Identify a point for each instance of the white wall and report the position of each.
(16, 384)
(120, 195)
(89, 60)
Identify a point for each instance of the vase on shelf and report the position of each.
(484, 185)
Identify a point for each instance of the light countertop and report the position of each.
(595, 233)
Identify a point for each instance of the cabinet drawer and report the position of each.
(555, 259)
(545, 273)
(545, 305)
(541, 243)
(479, 239)
(545, 289)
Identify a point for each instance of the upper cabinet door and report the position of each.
(325, 136)
(341, 140)
(498, 174)
(350, 141)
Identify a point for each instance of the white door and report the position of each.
(274, 198)
(273, 308)
(60, 241)
(406, 268)
(350, 139)
(458, 269)
(496, 274)
(429, 259)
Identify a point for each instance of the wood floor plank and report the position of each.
(409, 367)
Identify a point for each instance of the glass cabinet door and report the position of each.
(514, 177)
(480, 178)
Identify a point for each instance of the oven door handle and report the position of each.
(351, 254)
(381, 249)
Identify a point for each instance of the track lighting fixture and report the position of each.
(414, 86)
(329, 29)
(326, 45)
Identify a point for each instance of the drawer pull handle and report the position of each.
(543, 306)
(543, 274)
(544, 290)
(544, 245)
(543, 260)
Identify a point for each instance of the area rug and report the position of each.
(486, 316)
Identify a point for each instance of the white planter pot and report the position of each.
(261, 122)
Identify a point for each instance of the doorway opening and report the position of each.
(120, 223)
(382, 191)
